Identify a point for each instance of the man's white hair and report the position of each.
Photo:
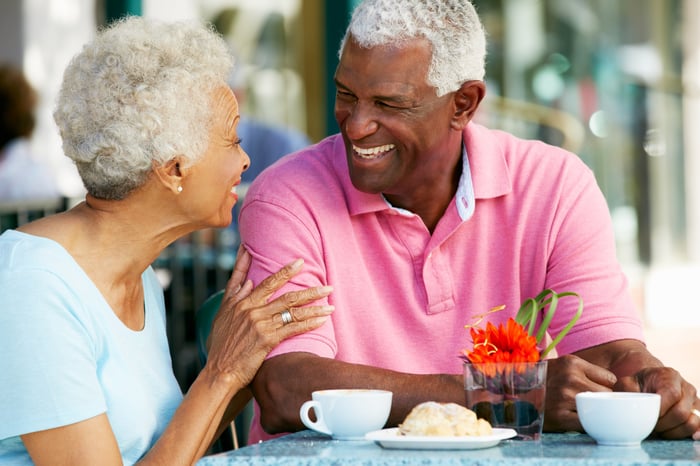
(137, 96)
(452, 27)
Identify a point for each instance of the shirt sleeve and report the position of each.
(261, 224)
(48, 365)
(583, 259)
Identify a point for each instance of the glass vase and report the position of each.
(508, 395)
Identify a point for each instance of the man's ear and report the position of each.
(171, 174)
(467, 99)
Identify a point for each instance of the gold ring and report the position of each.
(286, 317)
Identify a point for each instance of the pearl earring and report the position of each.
(179, 189)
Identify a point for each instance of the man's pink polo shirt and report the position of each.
(403, 296)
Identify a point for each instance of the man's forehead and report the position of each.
(392, 70)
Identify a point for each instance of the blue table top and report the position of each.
(312, 449)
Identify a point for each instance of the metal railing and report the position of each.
(16, 213)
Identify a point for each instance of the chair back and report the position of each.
(204, 318)
(203, 322)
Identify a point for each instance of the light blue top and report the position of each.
(66, 357)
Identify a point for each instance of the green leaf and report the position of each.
(552, 302)
(568, 327)
(530, 309)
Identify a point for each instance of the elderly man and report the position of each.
(423, 220)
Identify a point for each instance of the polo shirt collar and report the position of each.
(487, 158)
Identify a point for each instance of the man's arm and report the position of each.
(622, 365)
(284, 382)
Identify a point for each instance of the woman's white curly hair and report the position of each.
(135, 97)
(452, 27)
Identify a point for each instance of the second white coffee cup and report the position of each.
(347, 414)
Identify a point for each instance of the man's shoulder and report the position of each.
(512, 144)
(319, 167)
(522, 156)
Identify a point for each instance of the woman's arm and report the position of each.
(187, 437)
(246, 328)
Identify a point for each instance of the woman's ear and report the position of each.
(467, 100)
(171, 174)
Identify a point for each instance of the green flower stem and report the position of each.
(529, 310)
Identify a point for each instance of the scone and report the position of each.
(443, 419)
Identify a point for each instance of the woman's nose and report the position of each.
(246, 160)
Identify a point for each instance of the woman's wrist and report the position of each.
(216, 379)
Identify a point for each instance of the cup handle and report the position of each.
(319, 425)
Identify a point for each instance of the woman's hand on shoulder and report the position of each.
(247, 326)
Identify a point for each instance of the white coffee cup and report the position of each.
(618, 418)
(347, 414)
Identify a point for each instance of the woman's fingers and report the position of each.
(274, 282)
(249, 325)
(301, 319)
(293, 299)
(260, 295)
(240, 271)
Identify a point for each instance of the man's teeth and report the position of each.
(372, 151)
(233, 190)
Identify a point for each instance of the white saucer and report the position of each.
(390, 438)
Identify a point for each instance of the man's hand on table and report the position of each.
(638, 370)
(567, 376)
(677, 418)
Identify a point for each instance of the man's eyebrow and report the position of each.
(395, 98)
(339, 84)
(399, 99)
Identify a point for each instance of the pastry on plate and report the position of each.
(443, 420)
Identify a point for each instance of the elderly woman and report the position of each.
(85, 373)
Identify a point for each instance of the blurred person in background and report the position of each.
(264, 142)
(23, 176)
(86, 376)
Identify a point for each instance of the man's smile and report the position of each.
(372, 152)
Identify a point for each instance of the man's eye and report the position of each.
(388, 105)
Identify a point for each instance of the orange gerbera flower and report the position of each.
(509, 343)
(517, 340)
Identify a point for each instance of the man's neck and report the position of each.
(431, 201)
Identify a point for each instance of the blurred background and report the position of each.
(615, 81)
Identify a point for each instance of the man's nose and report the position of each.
(362, 121)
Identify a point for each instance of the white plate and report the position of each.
(390, 438)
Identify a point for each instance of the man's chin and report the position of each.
(363, 186)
